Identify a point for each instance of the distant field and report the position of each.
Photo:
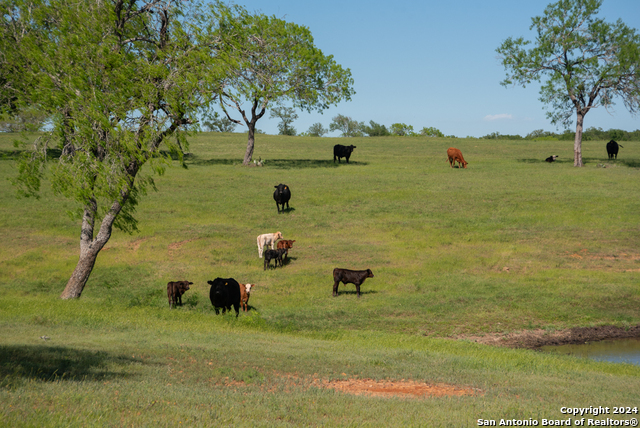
(510, 243)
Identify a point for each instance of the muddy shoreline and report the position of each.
(533, 339)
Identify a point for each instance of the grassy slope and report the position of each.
(436, 238)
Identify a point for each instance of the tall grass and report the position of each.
(509, 243)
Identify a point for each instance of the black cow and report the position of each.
(175, 290)
(552, 158)
(224, 293)
(612, 149)
(274, 255)
(281, 195)
(340, 151)
(347, 276)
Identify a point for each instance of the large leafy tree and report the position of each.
(585, 61)
(121, 79)
(269, 60)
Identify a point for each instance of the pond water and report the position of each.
(616, 351)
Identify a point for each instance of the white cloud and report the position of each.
(498, 116)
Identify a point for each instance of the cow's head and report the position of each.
(278, 235)
(369, 273)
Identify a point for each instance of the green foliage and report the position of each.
(317, 130)
(431, 132)
(591, 134)
(585, 62)
(401, 130)
(375, 129)
(269, 60)
(286, 115)
(29, 119)
(347, 126)
(213, 122)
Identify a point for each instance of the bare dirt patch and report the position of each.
(403, 388)
(532, 339)
(178, 245)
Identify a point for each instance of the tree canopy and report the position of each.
(269, 60)
(347, 126)
(286, 115)
(120, 79)
(586, 63)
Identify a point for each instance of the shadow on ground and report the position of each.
(56, 363)
(630, 163)
(275, 163)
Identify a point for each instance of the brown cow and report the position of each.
(285, 244)
(175, 290)
(455, 155)
(245, 293)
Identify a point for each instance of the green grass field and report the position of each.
(511, 243)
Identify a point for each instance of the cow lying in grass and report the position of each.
(552, 158)
(347, 276)
(175, 290)
(267, 239)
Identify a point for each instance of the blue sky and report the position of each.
(433, 63)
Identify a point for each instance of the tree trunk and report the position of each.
(577, 142)
(80, 275)
(248, 156)
(89, 247)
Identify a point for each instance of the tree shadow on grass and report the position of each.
(566, 160)
(17, 154)
(274, 163)
(56, 363)
(630, 163)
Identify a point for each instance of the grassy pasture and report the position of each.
(510, 243)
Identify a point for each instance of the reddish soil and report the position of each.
(403, 388)
(532, 339)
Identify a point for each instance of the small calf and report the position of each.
(275, 255)
(245, 293)
(175, 290)
(286, 244)
(267, 239)
(347, 276)
(552, 158)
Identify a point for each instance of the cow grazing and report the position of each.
(340, 151)
(347, 276)
(286, 244)
(267, 239)
(455, 155)
(552, 158)
(281, 195)
(175, 290)
(612, 149)
(275, 255)
(224, 293)
(245, 293)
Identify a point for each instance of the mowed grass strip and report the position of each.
(509, 243)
